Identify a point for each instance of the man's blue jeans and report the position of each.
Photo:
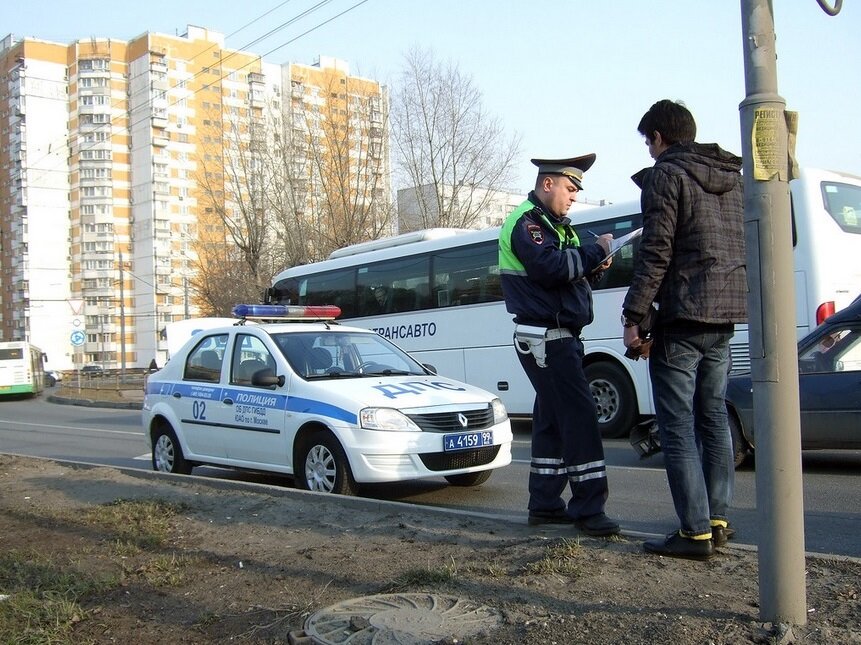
(689, 374)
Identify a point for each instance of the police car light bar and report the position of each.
(287, 312)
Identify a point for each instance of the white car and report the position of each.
(333, 406)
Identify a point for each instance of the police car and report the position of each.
(288, 390)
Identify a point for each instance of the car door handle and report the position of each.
(177, 395)
(227, 401)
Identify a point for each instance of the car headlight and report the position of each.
(386, 419)
(500, 414)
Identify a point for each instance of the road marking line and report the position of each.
(56, 427)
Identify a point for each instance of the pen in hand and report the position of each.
(592, 233)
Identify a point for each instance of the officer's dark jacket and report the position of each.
(691, 258)
(544, 269)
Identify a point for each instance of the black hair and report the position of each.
(672, 119)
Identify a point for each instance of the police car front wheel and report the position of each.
(323, 466)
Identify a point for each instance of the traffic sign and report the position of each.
(77, 338)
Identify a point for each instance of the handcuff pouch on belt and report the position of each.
(530, 339)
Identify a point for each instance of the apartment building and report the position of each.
(35, 284)
(118, 182)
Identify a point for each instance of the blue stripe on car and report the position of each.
(309, 406)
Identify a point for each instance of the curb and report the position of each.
(90, 403)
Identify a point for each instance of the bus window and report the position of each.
(330, 288)
(393, 286)
(467, 275)
(621, 271)
(843, 203)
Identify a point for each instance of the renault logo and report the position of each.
(463, 420)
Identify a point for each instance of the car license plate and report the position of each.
(466, 440)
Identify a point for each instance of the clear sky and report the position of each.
(570, 77)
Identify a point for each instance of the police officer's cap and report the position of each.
(572, 168)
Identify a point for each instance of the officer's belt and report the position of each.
(556, 334)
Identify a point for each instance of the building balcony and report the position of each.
(104, 90)
(95, 181)
(94, 73)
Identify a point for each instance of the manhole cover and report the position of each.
(399, 619)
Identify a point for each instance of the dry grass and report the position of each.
(44, 590)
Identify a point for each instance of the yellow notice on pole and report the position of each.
(769, 161)
(792, 135)
(773, 138)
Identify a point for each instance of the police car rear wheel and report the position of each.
(469, 479)
(167, 454)
(324, 466)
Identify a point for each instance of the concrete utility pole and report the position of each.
(771, 305)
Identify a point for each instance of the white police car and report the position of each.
(334, 406)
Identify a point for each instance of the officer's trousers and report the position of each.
(566, 442)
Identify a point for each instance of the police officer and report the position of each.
(546, 276)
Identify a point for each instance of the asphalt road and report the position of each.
(639, 496)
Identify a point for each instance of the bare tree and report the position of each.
(234, 180)
(239, 235)
(342, 151)
(447, 146)
(288, 199)
(288, 187)
(221, 279)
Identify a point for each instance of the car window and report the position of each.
(249, 357)
(837, 351)
(343, 354)
(204, 361)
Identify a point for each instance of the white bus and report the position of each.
(22, 368)
(437, 294)
(826, 240)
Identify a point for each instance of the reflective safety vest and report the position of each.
(543, 269)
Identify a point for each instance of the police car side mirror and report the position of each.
(267, 378)
(430, 368)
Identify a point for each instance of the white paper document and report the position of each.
(618, 242)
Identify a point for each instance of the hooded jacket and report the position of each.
(691, 258)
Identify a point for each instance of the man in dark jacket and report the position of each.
(691, 266)
(545, 281)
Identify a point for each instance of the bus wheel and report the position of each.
(322, 465)
(469, 479)
(614, 397)
(167, 454)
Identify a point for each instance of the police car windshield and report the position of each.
(343, 354)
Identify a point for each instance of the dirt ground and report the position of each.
(98, 555)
